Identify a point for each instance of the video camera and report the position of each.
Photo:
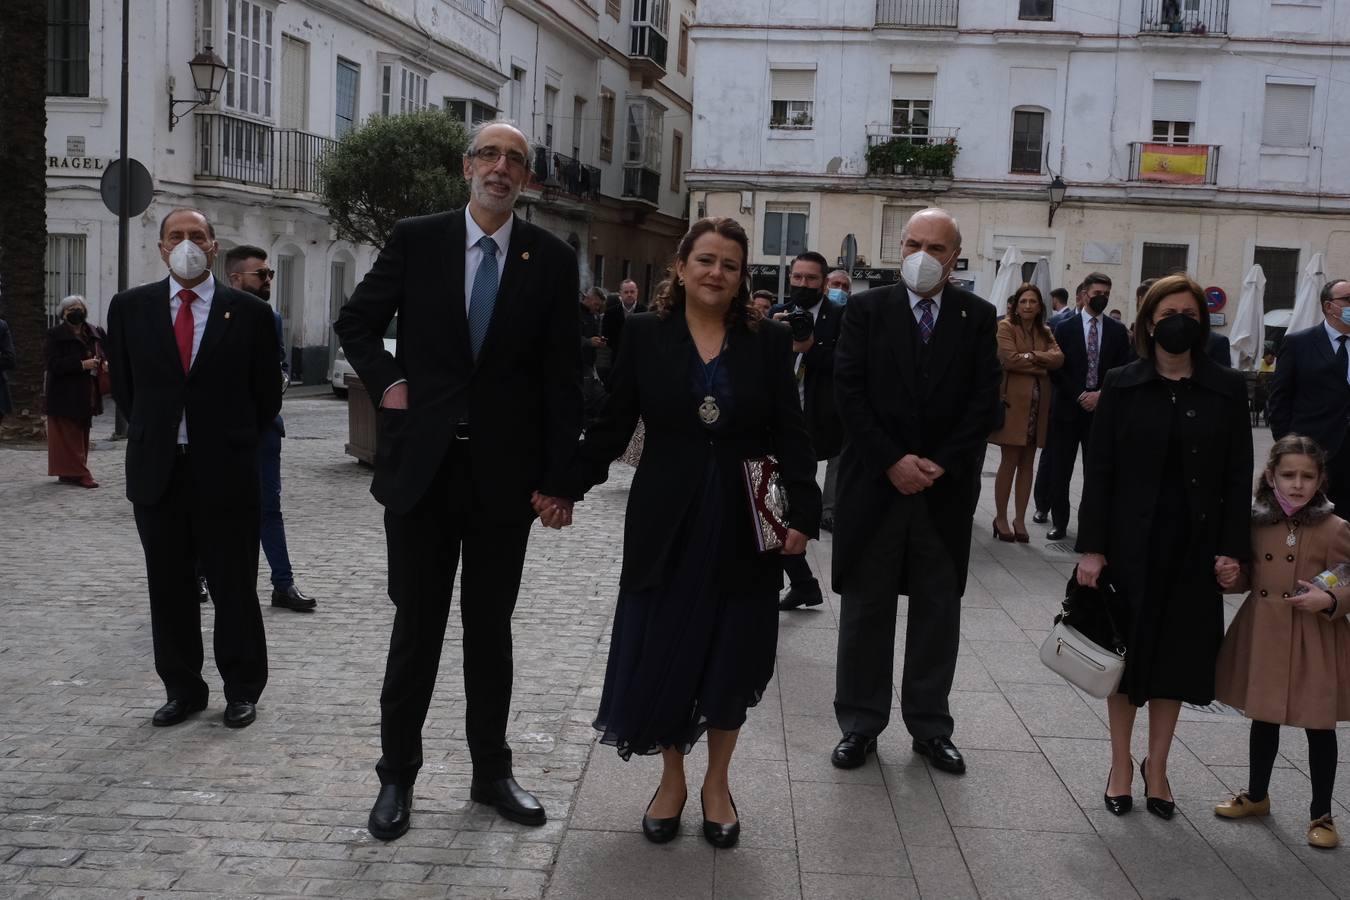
(800, 321)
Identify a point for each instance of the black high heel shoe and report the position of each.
(660, 831)
(721, 836)
(1161, 808)
(1118, 805)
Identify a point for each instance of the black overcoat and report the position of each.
(652, 380)
(893, 403)
(71, 391)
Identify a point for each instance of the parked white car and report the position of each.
(342, 368)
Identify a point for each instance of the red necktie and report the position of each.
(183, 328)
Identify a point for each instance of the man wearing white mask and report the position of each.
(916, 377)
(194, 369)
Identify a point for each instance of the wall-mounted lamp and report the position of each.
(1057, 188)
(208, 77)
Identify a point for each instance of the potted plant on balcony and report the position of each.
(902, 157)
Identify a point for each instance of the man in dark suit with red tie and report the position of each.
(194, 370)
(1093, 344)
(479, 410)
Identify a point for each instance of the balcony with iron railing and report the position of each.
(647, 50)
(1173, 163)
(916, 13)
(926, 152)
(555, 174)
(232, 148)
(641, 183)
(1190, 17)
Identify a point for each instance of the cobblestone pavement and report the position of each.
(96, 802)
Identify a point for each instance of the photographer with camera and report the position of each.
(814, 320)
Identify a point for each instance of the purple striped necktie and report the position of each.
(925, 319)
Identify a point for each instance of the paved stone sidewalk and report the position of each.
(95, 802)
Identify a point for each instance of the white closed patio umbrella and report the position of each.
(1247, 336)
(1307, 311)
(1009, 276)
(1040, 276)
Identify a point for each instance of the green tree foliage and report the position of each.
(393, 167)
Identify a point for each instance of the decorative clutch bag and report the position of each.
(768, 502)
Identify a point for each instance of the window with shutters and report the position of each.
(1159, 260)
(67, 48)
(911, 105)
(1288, 115)
(63, 271)
(785, 226)
(1280, 266)
(606, 125)
(402, 89)
(550, 112)
(1028, 140)
(646, 126)
(682, 60)
(470, 112)
(578, 117)
(792, 98)
(676, 157)
(348, 89)
(893, 219)
(1175, 107)
(517, 94)
(248, 53)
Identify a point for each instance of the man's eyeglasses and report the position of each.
(490, 155)
(264, 274)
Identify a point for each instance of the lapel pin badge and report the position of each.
(525, 255)
(963, 313)
(227, 315)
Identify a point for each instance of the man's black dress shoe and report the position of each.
(175, 711)
(805, 594)
(942, 753)
(827, 523)
(510, 799)
(293, 598)
(852, 751)
(1040, 518)
(660, 831)
(203, 594)
(719, 835)
(1055, 534)
(240, 713)
(392, 812)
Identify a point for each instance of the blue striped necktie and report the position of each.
(484, 294)
(925, 319)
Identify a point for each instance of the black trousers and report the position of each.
(797, 569)
(906, 543)
(179, 534)
(1338, 477)
(1065, 437)
(425, 548)
(1040, 491)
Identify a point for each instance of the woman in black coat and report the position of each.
(1166, 497)
(696, 627)
(74, 360)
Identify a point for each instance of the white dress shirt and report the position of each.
(473, 254)
(1335, 337)
(200, 309)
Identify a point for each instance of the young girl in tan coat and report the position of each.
(1286, 658)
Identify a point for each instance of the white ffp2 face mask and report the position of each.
(187, 260)
(922, 272)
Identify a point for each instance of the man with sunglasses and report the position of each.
(246, 268)
(479, 414)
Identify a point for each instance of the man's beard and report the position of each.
(491, 202)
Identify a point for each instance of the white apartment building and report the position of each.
(302, 73)
(1201, 135)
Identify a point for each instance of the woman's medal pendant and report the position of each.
(708, 410)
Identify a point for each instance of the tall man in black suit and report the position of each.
(480, 409)
(916, 376)
(1093, 344)
(194, 369)
(616, 315)
(1045, 468)
(815, 387)
(1310, 390)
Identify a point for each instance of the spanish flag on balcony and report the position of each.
(1174, 163)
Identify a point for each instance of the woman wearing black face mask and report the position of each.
(73, 397)
(1164, 513)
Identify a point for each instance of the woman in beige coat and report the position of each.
(1028, 352)
(1286, 658)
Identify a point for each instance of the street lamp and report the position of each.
(208, 77)
(1057, 188)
